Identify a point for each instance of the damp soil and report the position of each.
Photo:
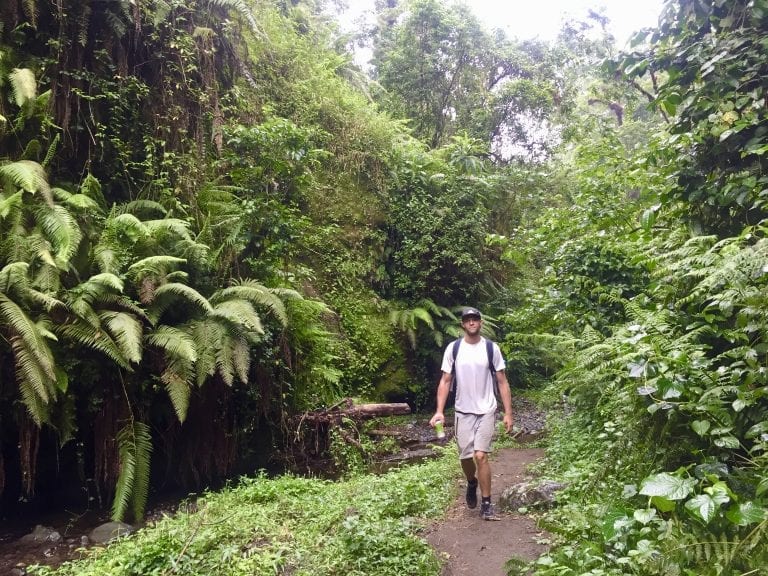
(467, 545)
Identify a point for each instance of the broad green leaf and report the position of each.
(757, 430)
(700, 426)
(663, 504)
(667, 486)
(727, 442)
(702, 506)
(720, 493)
(746, 513)
(644, 516)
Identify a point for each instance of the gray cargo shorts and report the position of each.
(474, 433)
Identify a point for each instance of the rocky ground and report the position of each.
(463, 540)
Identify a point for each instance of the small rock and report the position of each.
(41, 534)
(541, 494)
(84, 541)
(109, 531)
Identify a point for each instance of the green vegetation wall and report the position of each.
(191, 222)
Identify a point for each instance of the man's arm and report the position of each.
(443, 389)
(506, 399)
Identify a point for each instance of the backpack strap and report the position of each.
(489, 350)
(455, 353)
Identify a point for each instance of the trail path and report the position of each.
(471, 546)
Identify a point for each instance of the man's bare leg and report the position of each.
(483, 471)
(469, 468)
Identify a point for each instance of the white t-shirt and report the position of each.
(473, 380)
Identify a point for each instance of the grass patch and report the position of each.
(367, 525)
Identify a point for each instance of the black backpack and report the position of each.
(489, 351)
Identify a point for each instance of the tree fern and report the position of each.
(238, 313)
(170, 294)
(33, 361)
(135, 447)
(29, 176)
(62, 230)
(180, 354)
(126, 331)
(256, 294)
(23, 86)
(83, 333)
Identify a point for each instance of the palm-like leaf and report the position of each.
(171, 293)
(28, 176)
(256, 294)
(33, 360)
(23, 86)
(238, 313)
(180, 354)
(62, 230)
(126, 332)
(135, 447)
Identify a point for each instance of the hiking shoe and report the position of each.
(472, 494)
(487, 512)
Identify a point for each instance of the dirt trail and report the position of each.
(471, 546)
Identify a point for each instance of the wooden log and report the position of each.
(374, 410)
(345, 408)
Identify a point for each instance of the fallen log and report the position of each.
(376, 410)
(346, 409)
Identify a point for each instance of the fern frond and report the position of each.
(241, 7)
(181, 354)
(177, 385)
(174, 342)
(241, 359)
(424, 316)
(13, 278)
(170, 226)
(82, 203)
(126, 331)
(10, 205)
(170, 293)
(30, 11)
(258, 295)
(99, 340)
(205, 335)
(129, 225)
(37, 388)
(29, 176)
(51, 153)
(62, 230)
(155, 265)
(91, 187)
(23, 86)
(238, 313)
(135, 447)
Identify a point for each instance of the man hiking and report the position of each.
(474, 363)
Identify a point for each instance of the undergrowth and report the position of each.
(367, 525)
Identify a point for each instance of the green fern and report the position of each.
(23, 86)
(256, 294)
(29, 176)
(135, 447)
(180, 357)
(170, 294)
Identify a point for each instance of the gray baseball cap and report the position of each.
(467, 312)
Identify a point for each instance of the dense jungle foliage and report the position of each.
(213, 219)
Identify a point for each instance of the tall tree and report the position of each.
(447, 74)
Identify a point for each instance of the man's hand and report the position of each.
(437, 417)
(508, 423)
